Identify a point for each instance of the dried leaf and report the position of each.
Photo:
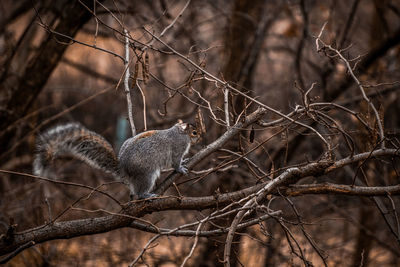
(252, 133)
(146, 66)
(200, 126)
(135, 74)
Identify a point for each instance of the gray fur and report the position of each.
(140, 161)
(164, 149)
(75, 140)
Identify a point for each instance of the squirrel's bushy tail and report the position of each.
(74, 140)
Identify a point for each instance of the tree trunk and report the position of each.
(21, 84)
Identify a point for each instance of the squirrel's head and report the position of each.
(190, 130)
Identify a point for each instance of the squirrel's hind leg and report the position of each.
(141, 185)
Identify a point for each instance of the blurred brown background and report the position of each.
(265, 49)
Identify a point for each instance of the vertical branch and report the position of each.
(126, 84)
(226, 106)
(300, 46)
(349, 21)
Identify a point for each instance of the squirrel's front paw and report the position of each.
(182, 169)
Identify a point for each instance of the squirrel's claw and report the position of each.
(185, 160)
(182, 169)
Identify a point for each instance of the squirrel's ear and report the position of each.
(182, 126)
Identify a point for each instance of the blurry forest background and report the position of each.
(306, 82)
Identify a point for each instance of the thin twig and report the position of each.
(171, 24)
(18, 250)
(194, 245)
(226, 107)
(72, 41)
(231, 88)
(126, 84)
(175, 19)
(63, 183)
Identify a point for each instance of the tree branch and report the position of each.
(90, 226)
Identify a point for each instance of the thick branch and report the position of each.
(75, 228)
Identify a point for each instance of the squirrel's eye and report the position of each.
(194, 132)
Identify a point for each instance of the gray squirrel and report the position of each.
(140, 160)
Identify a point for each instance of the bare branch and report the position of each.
(360, 86)
(228, 86)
